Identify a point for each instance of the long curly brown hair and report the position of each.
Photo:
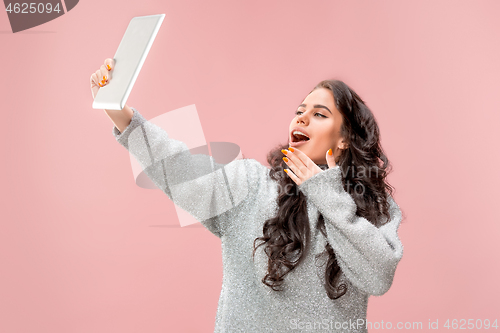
(287, 234)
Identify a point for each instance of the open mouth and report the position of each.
(298, 137)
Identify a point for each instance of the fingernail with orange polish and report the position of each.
(290, 149)
(285, 159)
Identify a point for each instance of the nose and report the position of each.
(303, 118)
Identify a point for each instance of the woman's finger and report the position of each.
(99, 77)
(104, 75)
(94, 80)
(298, 154)
(293, 176)
(290, 161)
(109, 64)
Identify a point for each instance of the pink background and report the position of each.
(84, 249)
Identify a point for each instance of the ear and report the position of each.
(343, 144)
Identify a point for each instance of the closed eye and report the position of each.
(297, 112)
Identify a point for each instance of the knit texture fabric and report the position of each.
(234, 200)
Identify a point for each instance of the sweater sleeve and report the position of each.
(209, 191)
(367, 255)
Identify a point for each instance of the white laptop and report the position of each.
(129, 58)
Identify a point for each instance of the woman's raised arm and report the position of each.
(211, 192)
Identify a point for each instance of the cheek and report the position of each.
(325, 137)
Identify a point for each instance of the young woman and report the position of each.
(304, 243)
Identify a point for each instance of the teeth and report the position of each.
(298, 132)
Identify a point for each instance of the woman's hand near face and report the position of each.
(302, 166)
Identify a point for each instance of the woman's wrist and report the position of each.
(121, 118)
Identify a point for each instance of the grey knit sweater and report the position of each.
(234, 200)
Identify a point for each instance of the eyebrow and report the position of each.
(318, 106)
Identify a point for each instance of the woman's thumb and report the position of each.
(330, 159)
